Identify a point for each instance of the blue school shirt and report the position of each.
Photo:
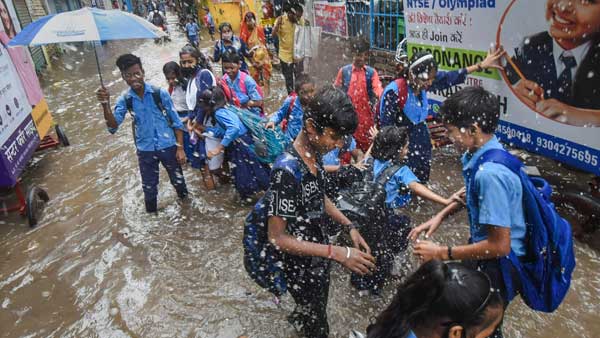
(333, 157)
(294, 117)
(192, 29)
(153, 131)
(228, 126)
(251, 92)
(500, 199)
(393, 198)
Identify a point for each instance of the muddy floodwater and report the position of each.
(99, 266)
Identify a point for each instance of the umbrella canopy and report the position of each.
(86, 24)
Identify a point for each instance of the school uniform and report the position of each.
(237, 45)
(155, 140)
(178, 95)
(387, 233)
(291, 109)
(249, 174)
(192, 30)
(499, 204)
(202, 80)
(400, 106)
(245, 89)
(298, 196)
(571, 77)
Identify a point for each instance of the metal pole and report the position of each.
(98, 64)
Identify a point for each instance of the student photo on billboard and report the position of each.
(7, 22)
(560, 66)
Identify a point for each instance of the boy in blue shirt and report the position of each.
(496, 218)
(291, 109)
(192, 30)
(243, 85)
(158, 131)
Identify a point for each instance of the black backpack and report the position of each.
(157, 101)
(365, 198)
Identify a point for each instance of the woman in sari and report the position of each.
(253, 37)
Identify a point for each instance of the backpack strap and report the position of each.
(369, 77)
(346, 76)
(292, 102)
(158, 101)
(388, 173)
(499, 156)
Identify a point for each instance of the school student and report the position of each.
(199, 78)
(177, 89)
(387, 229)
(249, 174)
(158, 131)
(441, 300)
(192, 30)
(284, 30)
(292, 108)
(229, 43)
(404, 101)
(209, 22)
(361, 82)
(561, 64)
(497, 223)
(243, 85)
(298, 208)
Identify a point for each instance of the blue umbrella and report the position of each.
(86, 24)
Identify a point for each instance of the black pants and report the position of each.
(387, 235)
(308, 281)
(149, 161)
(290, 72)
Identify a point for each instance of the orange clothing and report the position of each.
(357, 90)
(260, 64)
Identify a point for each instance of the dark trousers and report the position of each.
(308, 278)
(387, 235)
(290, 72)
(149, 161)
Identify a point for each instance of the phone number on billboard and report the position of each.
(558, 147)
(566, 150)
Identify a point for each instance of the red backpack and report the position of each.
(234, 97)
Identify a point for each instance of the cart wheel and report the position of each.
(35, 195)
(62, 137)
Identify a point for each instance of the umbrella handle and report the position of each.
(98, 64)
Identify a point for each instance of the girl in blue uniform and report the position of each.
(229, 42)
(404, 101)
(249, 174)
(386, 230)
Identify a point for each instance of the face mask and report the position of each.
(227, 36)
(188, 72)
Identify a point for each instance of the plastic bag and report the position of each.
(306, 42)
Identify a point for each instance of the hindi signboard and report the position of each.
(561, 119)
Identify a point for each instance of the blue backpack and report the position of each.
(546, 271)
(262, 260)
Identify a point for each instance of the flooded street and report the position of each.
(99, 266)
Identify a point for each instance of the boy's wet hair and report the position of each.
(301, 81)
(128, 60)
(469, 106)
(359, 45)
(389, 143)
(230, 56)
(331, 107)
(172, 67)
(292, 6)
(422, 62)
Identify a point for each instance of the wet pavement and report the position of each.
(99, 266)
